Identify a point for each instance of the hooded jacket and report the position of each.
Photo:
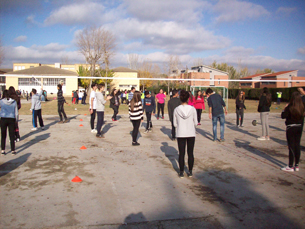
(8, 108)
(185, 120)
(36, 103)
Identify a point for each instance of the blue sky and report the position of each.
(255, 34)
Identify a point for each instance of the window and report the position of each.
(53, 81)
(29, 81)
(16, 68)
(246, 84)
(22, 67)
(284, 84)
(268, 83)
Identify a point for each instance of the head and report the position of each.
(147, 94)
(133, 89)
(59, 87)
(209, 92)
(34, 91)
(161, 91)
(94, 86)
(101, 87)
(5, 94)
(114, 91)
(241, 95)
(184, 96)
(265, 90)
(198, 94)
(175, 93)
(296, 106)
(135, 99)
(61, 82)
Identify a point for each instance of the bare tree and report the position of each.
(1, 52)
(173, 64)
(198, 62)
(64, 59)
(133, 60)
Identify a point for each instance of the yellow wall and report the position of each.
(11, 81)
(116, 83)
(71, 85)
(22, 66)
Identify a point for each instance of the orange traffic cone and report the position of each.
(81, 125)
(76, 179)
(85, 114)
(83, 147)
(80, 120)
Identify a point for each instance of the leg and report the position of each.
(263, 123)
(162, 109)
(237, 117)
(40, 118)
(92, 118)
(214, 121)
(181, 148)
(290, 140)
(11, 131)
(59, 111)
(148, 118)
(241, 116)
(190, 152)
(4, 124)
(222, 126)
(135, 131)
(63, 111)
(173, 130)
(99, 122)
(116, 111)
(35, 118)
(267, 123)
(297, 139)
(158, 108)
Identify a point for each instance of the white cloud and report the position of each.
(301, 50)
(286, 10)
(233, 10)
(20, 39)
(31, 20)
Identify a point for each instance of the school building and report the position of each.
(125, 84)
(258, 80)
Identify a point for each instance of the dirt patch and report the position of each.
(284, 182)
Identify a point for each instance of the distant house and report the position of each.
(283, 75)
(2, 78)
(31, 78)
(122, 84)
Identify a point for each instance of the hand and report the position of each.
(153, 114)
(210, 116)
(91, 111)
(287, 105)
(142, 120)
(226, 112)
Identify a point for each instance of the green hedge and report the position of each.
(254, 93)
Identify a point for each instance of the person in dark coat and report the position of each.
(115, 103)
(171, 105)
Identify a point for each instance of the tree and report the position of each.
(133, 61)
(105, 73)
(145, 71)
(1, 52)
(266, 70)
(84, 72)
(64, 59)
(173, 63)
(198, 62)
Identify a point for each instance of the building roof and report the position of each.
(123, 69)
(5, 70)
(253, 76)
(44, 71)
(278, 73)
(215, 69)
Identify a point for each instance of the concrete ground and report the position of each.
(236, 184)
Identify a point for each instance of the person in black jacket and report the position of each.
(60, 104)
(171, 105)
(150, 109)
(115, 103)
(294, 115)
(240, 106)
(264, 108)
(13, 95)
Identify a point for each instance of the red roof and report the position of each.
(256, 75)
(278, 73)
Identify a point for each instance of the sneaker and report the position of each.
(14, 153)
(173, 139)
(296, 168)
(42, 128)
(3, 153)
(35, 128)
(157, 118)
(94, 131)
(222, 140)
(190, 174)
(261, 138)
(146, 131)
(268, 138)
(199, 124)
(60, 122)
(162, 117)
(100, 136)
(135, 144)
(287, 169)
(150, 130)
(67, 120)
(181, 175)
(241, 126)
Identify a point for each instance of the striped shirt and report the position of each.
(137, 112)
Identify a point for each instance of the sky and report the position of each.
(256, 34)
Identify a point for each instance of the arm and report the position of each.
(195, 117)
(170, 115)
(210, 112)
(285, 112)
(154, 105)
(175, 119)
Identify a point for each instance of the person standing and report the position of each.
(294, 115)
(92, 108)
(36, 109)
(132, 91)
(8, 114)
(27, 96)
(217, 111)
(136, 115)
(185, 120)
(150, 109)
(160, 102)
(265, 101)
(240, 106)
(199, 105)
(191, 99)
(114, 104)
(279, 96)
(100, 108)
(84, 97)
(13, 95)
(60, 105)
(171, 106)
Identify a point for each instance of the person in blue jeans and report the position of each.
(217, 111)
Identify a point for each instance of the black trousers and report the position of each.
(61, 110)
(173, 130)
(10, 124)
(160, 106)
(182, 143)
(149, 123)
(115, 112)
(92, 118)
(239, 113)
(136, 125)
(84, 100)
(37, 113)
(199, 112)
(293, 135)
(100, 121)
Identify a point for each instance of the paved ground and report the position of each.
(236, 184)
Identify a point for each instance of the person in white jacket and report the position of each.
(185, 121)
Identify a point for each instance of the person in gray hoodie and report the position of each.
(8, 114)
(36, 109)
(185, 121)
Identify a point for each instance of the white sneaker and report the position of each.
(94, 131)
(288, 169)
(35, 128)
(268, 138)
(296, 168)
(146, 131)
(261, 138)
(42, 128)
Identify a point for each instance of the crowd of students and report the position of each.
(184, 111)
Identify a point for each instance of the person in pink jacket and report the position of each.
(199, 105)
(191, 99)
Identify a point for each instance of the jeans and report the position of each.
(160, 106)
(239, 113)
(293, 135)
(149, 123)
(265, 123)
(115, 112)
(92, 118)
(10, 124)
(136, 125)
(100, 121)
(199, 111)
(37, 113)
(221, 119)
(182, 142)
(61, 110)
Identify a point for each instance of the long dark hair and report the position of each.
(196, 95)
(5, 94)
(240, 96)
(112, 93)
(296, 106)
(265, 92)
(135, 99)
(191, 95)
(12, 93)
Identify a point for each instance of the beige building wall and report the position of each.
(71, 85)
(22, 66)
(11, 81)
(123, 84)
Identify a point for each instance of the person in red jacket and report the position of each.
(199, 105)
